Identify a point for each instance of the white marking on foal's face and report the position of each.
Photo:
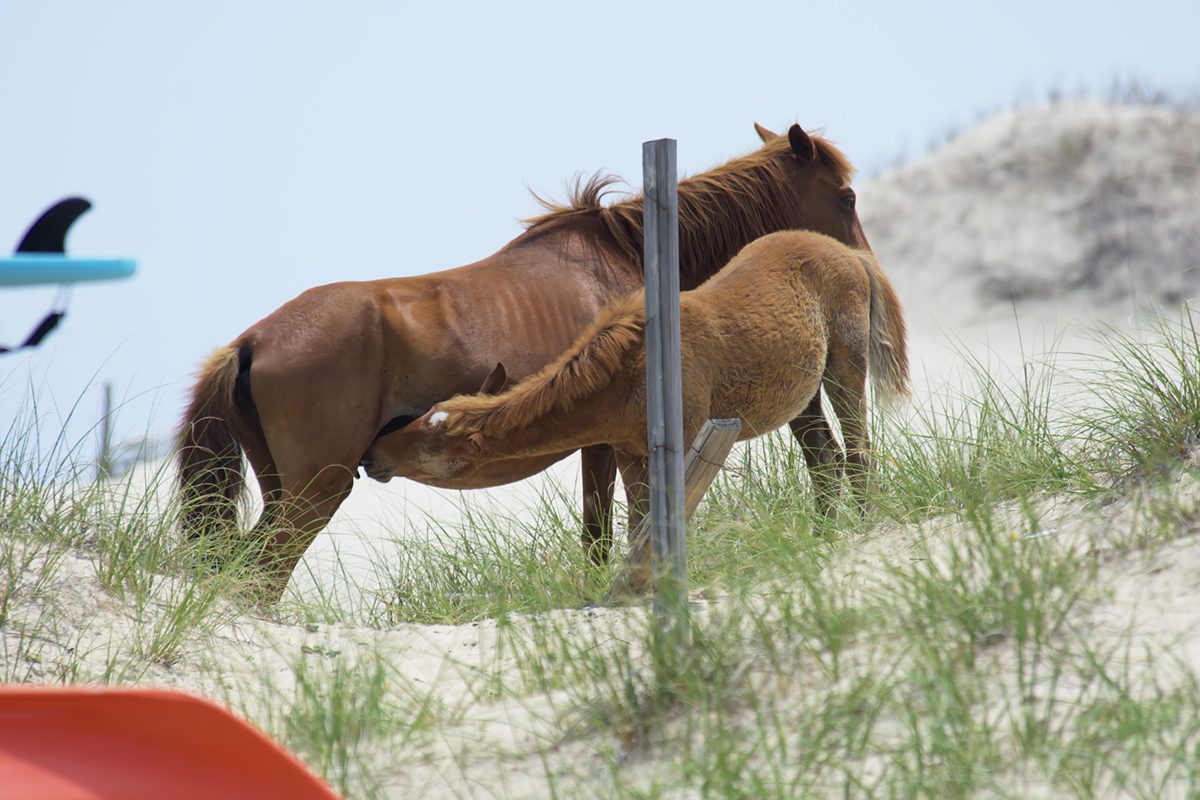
(437, 419)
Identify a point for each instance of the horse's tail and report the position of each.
(888, 352)
(211, 474)
(588, 366)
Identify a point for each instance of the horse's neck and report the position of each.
(707, 240)
(556, 432)
(594, 419)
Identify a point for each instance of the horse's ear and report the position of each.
(494, 382)
(477, 440)
(766, 134)
(802, 143)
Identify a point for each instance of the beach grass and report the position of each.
(968, 634)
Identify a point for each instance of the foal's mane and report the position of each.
(720, 210)
(587, 366)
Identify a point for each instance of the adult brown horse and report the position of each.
(792, 311)
(306, 391)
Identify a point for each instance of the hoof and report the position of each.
(630, 584)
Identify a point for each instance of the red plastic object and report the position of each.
(76, 744)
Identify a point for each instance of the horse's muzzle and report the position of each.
(376, 471)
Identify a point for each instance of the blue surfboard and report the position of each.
(30, 269)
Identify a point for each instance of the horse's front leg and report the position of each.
(821, 453)
(599, 467)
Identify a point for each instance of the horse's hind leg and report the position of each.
(318, 418)
(846, 384)
(599, 467)
(821, 453)
(311, 472)
(292, 517)
(268, 483)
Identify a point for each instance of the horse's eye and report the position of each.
(848, 200)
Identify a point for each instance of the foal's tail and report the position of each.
(888, 354)
(588, 365)
(211, 474)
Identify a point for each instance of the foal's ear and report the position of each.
(802, 144)
(766, 134)
(477, 440)
(494, 382)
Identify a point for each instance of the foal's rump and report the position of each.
(835, 272)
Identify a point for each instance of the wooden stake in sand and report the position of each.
(664, 388)
(674, 491)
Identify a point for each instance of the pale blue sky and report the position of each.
(244, 151)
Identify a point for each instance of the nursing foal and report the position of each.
(791, 311)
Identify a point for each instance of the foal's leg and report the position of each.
(847, 387)
(599, 466)
(821, 453)
(635, 474)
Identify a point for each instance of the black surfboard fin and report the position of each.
(49, 233)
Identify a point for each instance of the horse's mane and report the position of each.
(586, 367)
(719, 210)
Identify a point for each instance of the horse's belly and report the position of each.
(765, 405)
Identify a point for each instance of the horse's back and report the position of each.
(322, 313)
(409, 342)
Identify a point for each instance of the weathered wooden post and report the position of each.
(664, 389)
